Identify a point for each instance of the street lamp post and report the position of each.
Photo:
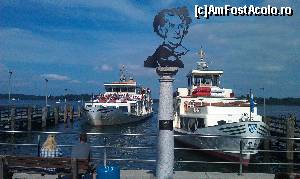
(66, 95)
(46, 93)
(9, 85)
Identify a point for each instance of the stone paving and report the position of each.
(146, 174)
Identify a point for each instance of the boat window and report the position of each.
(131, 89)
(108, 89)
(203, 80)
(200, 122)
(123, 108)
(116, 89)
(132, 109)
(197, 80)
(111, 107)
(89, 106)
(138, 90)
(124, 89)
(215, 80)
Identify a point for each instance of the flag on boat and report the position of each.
(251, 103)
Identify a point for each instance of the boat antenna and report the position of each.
(122, 74)
(130, 77)
(202, 65)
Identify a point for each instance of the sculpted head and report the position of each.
(172, 25)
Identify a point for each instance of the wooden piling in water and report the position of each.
(71, 109)
(65, 114)
(12, 118)
(290, 133)
(29, 118)
(78, 112)
(56, 115)
(44, 116)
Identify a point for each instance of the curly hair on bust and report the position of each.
(160, 21)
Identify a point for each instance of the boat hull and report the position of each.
(107, 117)
(227, 143)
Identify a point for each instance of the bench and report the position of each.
(33, 165)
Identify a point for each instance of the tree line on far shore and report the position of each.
(87, 97)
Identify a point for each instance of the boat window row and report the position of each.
(191, 124)
(120, 89)
(203, 80)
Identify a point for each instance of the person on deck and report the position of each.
(50, 150)
(83, 149)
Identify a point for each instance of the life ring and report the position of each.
(186, 106)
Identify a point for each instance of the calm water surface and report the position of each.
(148, 126)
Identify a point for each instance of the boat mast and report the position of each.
(202, 65)
(122, 74)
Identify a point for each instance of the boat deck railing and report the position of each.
(238, 163)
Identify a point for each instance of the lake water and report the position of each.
(148, 127)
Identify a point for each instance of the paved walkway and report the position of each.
(145, 174)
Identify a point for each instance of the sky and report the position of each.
(80, 44)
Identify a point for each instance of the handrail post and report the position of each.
(74, 166)
(104, 160)
(38, 145)
(241, 157)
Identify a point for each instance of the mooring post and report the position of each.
(78, 112)
(165, 162)
(65, 114)
(290, 133)
(12, 117)
(56, 115)
(29, 118)
(71, 113)
(44, 116)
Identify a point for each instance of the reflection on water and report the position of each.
(148, 126)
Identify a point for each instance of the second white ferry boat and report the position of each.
(205, 108)
(123, 102)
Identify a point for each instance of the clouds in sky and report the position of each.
(104, 68)
(55, 77)
(84, 43)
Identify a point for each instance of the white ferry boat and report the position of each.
(123, 102)
(207, 109)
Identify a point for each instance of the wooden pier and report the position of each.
(286, 127)
(28, 118)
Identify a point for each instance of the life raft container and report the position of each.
(201, 91)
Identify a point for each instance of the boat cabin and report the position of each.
(129, 87)
(203, 82)
(198, 78)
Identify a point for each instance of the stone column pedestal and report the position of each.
(165, 160)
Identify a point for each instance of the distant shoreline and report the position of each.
(75, 97)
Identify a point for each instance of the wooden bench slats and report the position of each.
(33, 164)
